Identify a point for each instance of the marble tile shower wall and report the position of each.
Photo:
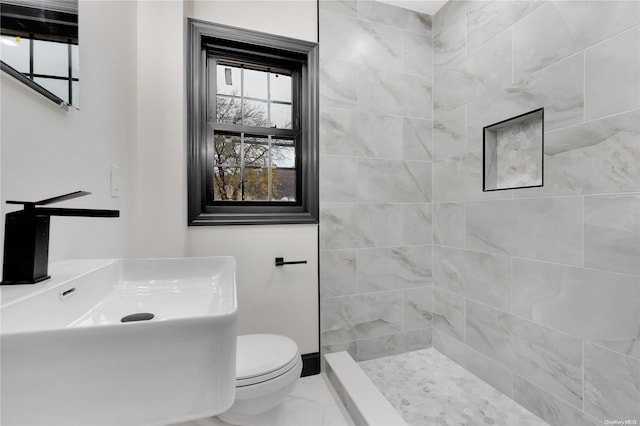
(537, 291)
(375, 178)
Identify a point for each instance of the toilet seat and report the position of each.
(263, 357)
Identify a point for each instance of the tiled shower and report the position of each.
(537, 290)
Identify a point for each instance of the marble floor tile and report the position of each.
(312, 403)
(427, 388)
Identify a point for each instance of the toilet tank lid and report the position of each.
(259, 354)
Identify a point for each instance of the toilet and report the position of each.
(268, 367)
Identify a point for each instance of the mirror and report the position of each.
(39, 46)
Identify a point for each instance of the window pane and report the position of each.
(75, 61)
(283, 156)
(256, 151)
(280, 87)
(284, 185)
(15, 52)
(75, 92)
(255, 113)
(228, 110)
(59, 88)
(226, 149)
(50, 58)
(228, 80)
(281, 116)
(255, 84)
(227, 184)
(256, 184)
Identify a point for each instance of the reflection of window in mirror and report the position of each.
(39, 41)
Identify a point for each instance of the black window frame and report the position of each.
(207, 40)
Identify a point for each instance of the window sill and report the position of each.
(213, 219)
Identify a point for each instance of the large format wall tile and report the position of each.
(417, 54)
(360, 316)
(380, 91)
(349, 225)
(612, 233)
(611, 384)
(416, 224)
(593, 305)
(493, 17)
(364, 43)
(543, 229)
(349, 132)
(484, 277)
(337, 272)
(417, 139)
(338, 84)
(394, 268)
(448, 224)
(553, 410)
(612, 70)
(558, 88)
(460, 178)
(601, 156)
(394, 16)
(467, 77)
(394, 344)
(338, 178)
(418, 308)
(417, 95)
(394, 93)
(449, 134)
(561, 28)
(345, 7)
(545, 357)
(394, 180)
(491, 372)
(448, 313)
(449, 32)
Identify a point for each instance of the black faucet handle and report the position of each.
(52, 200)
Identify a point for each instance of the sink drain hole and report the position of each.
(142, 316)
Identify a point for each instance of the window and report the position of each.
(252, 127)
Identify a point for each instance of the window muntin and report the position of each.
(253, 168)
(255, 135)
(253, 97)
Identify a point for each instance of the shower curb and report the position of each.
(361, 398)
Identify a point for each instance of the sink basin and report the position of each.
(67, 359)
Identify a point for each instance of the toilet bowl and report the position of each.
(268, 368)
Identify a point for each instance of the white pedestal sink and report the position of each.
(67, 359)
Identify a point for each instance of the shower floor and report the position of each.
(427, 388)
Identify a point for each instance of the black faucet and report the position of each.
(26, 237)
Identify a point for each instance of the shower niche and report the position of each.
(513, 152)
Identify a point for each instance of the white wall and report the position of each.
(276, 300)
(297, 19)
(47, 151)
